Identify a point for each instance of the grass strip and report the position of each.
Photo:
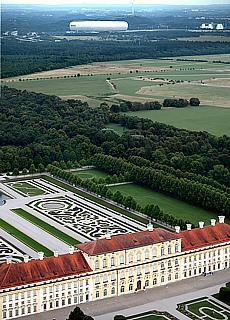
(46, 227)
(28, 241)
(95, 199)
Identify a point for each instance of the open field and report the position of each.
(203, 118)
(146, 80)
(177, 208)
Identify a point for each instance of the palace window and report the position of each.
(130, 287)
(176, 276)
(104, 263)
(105, 292)
(121, 259)
(146, 269)
(97, 294)
(130, 272)
(122, 275)
(154, 281)
(169, 250)
(138, 256)
(96, 264)
(113, 276)
(176, 247)
(154, 267)
(130, 258)
(138, 271)
(162, 251)
(146, 254)
(112, 262)
(176, 262)
(169, 264)
(162, 279)
(154, 253)
(113, 290)
(97, 279)
(162, 265)
(169, 277)
(105, 278)
(122, 289)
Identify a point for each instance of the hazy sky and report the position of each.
(175, 2)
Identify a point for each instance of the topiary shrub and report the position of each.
(224, 294)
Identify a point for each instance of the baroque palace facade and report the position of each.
(114, 265)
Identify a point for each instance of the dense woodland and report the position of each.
(37, 130)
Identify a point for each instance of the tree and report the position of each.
(194, 102)
(76, 314)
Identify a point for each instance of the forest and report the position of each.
(39, 131)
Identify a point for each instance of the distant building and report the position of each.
(98, 26)
(219, 26)
(211, 26)
(112, 266)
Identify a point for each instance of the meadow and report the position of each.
(179, 209)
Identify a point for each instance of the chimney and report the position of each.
(107, 235)
(213, 222)
(56, 253)
(221, 219)
(189, 226)
(201, 224)
(26, 258)
(150, 226)
(40, 255)
(71, 249)
(177, 228)
(8, 259)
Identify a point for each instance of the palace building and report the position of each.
(114, 265)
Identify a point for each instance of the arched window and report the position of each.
(169, 264)
(104, 278)
(122, 275)
(104, 263)
(162, 251)
(146, 269)
(121, 259)
(154, 253)
(176, 262)
(162, 279)
(169, 250)
(138, 256)
(138, 271)
(97, 294)
(96, 264)
(130, 258)
(169, 277)
(146, 254)
(176, 276)
(113, 290)
(154, 281)
(130, 287)
(130, 272)
(113, 276)
(162, 265)
(112, 262)
(105, 292)
(176, 247)
(122, 289)
(146, 283)
(97, 279)
(154, 267)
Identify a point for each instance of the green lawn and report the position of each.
(36, 246)
(25, 188)
(46, 227)
(177, 208)
(151, 315)
(205, 118)
(90, 173)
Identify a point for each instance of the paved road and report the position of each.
(163, 298)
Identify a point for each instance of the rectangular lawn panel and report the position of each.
(46, 227)
(90, 174)
(26, 189)
(36, 246)
(177, 208)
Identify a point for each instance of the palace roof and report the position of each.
(24, 273)
(205, 237)
(127, 241)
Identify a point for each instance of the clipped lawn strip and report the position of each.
(95, 199)
(28, 241)
(46, 227)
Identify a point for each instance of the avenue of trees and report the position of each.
(38, 130)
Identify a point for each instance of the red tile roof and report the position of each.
(21, 273)
(126, 241)
(206, 236)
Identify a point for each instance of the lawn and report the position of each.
(26, 189)
(46, 227)
(36, 246)
(90, 174)
(177, 208)
(151, 315)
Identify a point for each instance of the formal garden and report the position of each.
(9, 249)
(204, 308)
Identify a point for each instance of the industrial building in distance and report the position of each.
(98, 26)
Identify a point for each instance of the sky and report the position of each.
(95, 2)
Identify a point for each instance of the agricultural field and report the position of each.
(179, 209)
(146, 80)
